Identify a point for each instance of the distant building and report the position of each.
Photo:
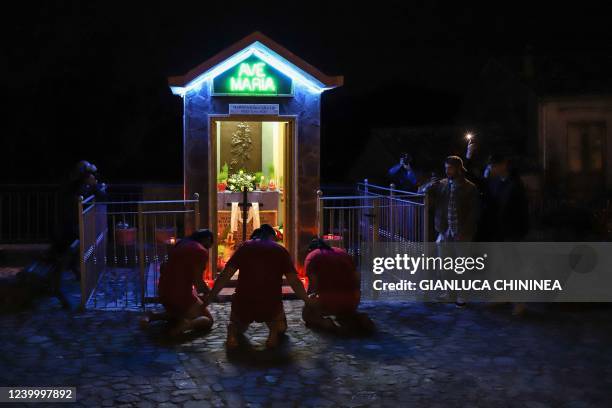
(553, 114)
(575, 145)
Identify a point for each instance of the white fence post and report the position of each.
(319, 213)
(82, 265)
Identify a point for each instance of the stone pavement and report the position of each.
(423, 355)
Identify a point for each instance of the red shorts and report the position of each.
(339, 303)
(247, 311)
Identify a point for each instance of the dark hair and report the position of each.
(266, 231)
(318, 243)
(201, 235)
(455, 161)
(84, 169)
(407, 157)
(498, 158)
(256, 234)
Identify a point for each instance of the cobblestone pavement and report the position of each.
(423, 355)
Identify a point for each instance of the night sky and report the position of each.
(88, 79)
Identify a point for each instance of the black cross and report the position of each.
(245, 209)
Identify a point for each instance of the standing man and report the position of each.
(509, 213)
(258, 298)
(403, 175)
(178, 280)
(455, 201)
(64, 252)
(508, 208)
(456, 205)
(478, 173)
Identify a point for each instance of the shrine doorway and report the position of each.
(258, 152)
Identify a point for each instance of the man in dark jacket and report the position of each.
(455, 203)
(508, 213)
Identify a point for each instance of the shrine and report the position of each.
(251, 134)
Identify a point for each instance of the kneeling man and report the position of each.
(336, 285)
(258, 298)
(178, 280)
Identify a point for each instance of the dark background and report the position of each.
(87, 79)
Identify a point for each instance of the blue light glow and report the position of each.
(267, 55)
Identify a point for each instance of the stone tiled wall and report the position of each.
(304, 105)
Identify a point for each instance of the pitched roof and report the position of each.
(264, 44)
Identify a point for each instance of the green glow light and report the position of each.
(253, 77)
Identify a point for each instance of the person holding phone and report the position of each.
(402, 175)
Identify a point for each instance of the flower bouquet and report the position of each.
(238, 181)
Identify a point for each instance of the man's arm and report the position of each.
(394, 171)
(296, 285)
(198, 282)
(430, 188)
(222, 280)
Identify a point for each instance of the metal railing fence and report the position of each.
(373, 214)
(123, 245)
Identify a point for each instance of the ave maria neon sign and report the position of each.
(252, 77)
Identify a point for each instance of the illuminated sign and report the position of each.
(252, 77)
